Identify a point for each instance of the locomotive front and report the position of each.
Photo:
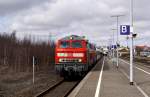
(71, 55)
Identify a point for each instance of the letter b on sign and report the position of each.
(124, 30)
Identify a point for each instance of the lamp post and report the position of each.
(131, 42)
(113, 41)
(117, 16)
(133, 35)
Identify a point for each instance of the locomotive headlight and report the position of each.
(78, 54)
(60, 60)
(80, 60)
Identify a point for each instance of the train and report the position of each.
(74, 55)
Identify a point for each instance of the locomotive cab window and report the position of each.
(64, 44)
(77, 44)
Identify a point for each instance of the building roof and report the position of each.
(144, 48)
(123, 50)
(140, 46)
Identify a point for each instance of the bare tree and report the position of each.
(17, 54)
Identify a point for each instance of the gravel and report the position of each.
(20, 84)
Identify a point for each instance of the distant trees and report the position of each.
(17, 54)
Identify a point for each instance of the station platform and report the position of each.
(105, 80)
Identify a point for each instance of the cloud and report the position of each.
(61, 14)
(8, 7)
(91, 18)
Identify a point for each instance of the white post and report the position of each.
(131, 42)
(117, 16)
(33, 68)
(117, 44)
(127, 41)
(113, 45)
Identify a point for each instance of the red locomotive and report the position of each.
(74, 55)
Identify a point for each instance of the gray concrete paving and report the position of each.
(88, 85)
(141, 77)
(113, 84)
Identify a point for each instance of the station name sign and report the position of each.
(124, 29)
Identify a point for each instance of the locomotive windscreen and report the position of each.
(64, 44)
(76, 44)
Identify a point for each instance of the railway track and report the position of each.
(144, 65)
(140, 63)
(60, 89)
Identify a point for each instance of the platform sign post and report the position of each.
(131, 42)
(33, 68)
(131, 58)
(127, 30)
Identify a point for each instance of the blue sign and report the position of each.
(114, 46)
(125, 30)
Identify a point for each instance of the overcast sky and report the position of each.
(58, 18)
